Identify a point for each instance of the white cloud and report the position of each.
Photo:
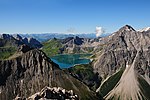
(99, 31)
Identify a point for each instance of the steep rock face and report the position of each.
(124, 48)
(121, 49)
(30, 72)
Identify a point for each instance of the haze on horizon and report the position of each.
(76, 16)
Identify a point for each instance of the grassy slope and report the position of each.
(6, 52)
(145, 88)
(8, 47)
(52, 47)
(85, 74)
(110, 83)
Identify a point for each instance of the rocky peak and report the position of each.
(18, 37)
(126, 28)
(73, 40)
(34, 43)
(67, 40)
(78, 41)
(6, 36)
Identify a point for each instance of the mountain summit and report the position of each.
(127, 28)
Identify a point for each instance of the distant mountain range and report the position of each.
(46, 36)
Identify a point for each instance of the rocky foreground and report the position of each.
(52, 93)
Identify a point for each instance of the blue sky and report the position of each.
(79, 16)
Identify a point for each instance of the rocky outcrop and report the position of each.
(52, 93)
(24, 48)
(28, 73)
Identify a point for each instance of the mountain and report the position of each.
(32, 42)
(30, 70)
(71, 45)
(9, 44)
(9, 40)
(123, 65)
(16, 40)
(47, 36)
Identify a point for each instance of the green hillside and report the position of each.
(110, 83)
(6, 52)
(52, 47)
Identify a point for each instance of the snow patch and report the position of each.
(144, 29)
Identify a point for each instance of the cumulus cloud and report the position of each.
(99, 31)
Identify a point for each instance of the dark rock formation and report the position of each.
(24, 48)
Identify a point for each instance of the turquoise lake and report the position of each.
(69, 60)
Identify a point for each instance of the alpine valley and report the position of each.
(118, 66)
